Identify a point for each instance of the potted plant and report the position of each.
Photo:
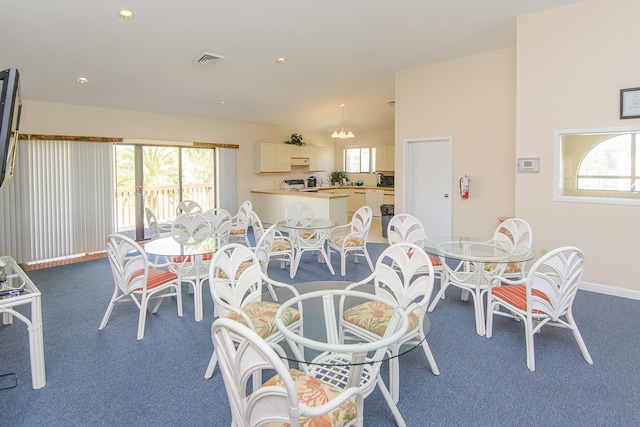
(339, 177)
(296, 139)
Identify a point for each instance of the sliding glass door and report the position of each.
(159, 177)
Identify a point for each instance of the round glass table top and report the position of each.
(477, 249)
(308, 223)
(321, 318)
(168, 246)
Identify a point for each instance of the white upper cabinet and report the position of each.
(277, 157)
(264, 158)
(386, 158)
(317, 157)
(284, 154)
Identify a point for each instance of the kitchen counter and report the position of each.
(355, 187)
(271, 204)
(319, 194)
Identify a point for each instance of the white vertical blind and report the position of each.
(226, 179)
(60, 202)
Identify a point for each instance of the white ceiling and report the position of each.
(337, 52)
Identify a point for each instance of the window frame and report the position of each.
(372, 158)
(607, 197)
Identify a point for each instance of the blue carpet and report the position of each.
(108, 378)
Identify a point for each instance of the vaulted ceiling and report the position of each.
(336, 52)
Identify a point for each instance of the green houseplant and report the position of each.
(296, 139)
(337, 177)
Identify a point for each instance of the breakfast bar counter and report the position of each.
(270, 204)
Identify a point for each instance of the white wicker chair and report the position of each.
(188, 206)
(271, 244)
(237, 283)
(156, 229)
(351, 239)
(139, 280)
(220, 221)
(513, 231)
(544, 297)
(240, 224)
(291, 397)
(405, 228)
(403, 274)
(190, 228)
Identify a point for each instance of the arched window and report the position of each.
(597, 166)
(611, 165)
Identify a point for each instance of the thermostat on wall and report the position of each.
(529, 164)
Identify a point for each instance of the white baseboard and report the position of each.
(610, 290)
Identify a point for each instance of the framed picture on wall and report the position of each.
(630, 103)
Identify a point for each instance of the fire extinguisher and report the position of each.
(464, 187)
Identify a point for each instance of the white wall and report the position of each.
(472, 100)
(571, 64)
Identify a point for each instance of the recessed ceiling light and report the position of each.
(223, 101)
(281, 60)
(82, 80)
(125, 14)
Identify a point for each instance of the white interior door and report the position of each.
(428, 188)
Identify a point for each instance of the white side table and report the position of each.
(16, 290)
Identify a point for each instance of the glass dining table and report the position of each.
(192, 251)
(309, 235)
(322, 349)
(471, 263)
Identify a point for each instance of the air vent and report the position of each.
(208, 59)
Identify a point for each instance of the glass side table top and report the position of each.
(308, 223)
(168, 246)
(477, 249)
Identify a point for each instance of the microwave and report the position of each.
(386, 181)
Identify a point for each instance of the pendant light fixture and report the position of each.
(342, 132)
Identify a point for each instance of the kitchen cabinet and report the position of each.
(357, 197)
(284, 153)
(265, 158)
(317, 157)
(388, 198)
(385, 158)
(270, 158)
(356, 200)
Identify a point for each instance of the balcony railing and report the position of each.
(163, 200)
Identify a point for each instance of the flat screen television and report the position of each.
(10, 109)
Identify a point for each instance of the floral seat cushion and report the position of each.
(511, 268)
(374, 316)
(313, 392)
(280, 246)
(307, 234)
(352, 242)
(238, 230)
(243, 266)
(263, 316)
(182, 258)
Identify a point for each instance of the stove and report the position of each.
(292, 184)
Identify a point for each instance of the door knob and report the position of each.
(446, 195)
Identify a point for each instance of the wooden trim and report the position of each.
(71, 259)
(43, 137)
(214, 145)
